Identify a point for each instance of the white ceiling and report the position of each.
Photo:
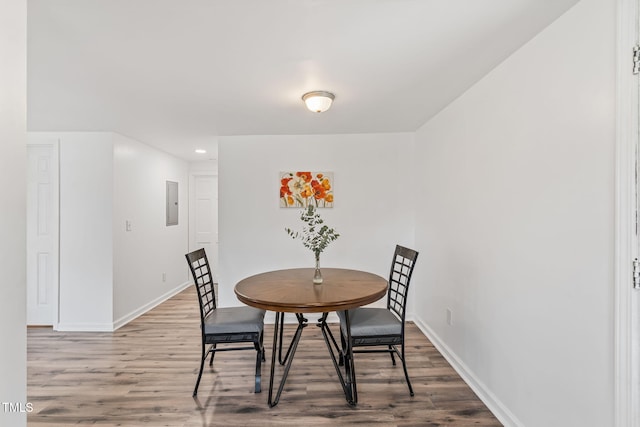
(178, 74)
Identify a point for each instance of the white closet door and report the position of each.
(205, 227)
(42, 235)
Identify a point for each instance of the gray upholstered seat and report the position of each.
(371, 322)
(234, 320)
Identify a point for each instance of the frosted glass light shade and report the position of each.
(318, 101)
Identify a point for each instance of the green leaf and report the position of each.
(315, 235)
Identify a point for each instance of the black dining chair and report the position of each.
(382, 327)
(228, 325)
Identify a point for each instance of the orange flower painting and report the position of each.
(302, 189)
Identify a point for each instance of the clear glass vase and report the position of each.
(317, 275)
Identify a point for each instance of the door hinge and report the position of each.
(636, 273)
(636, 59)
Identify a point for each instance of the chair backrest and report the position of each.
(404, 259)
(199, 266)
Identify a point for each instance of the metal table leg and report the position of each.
(345, 355)
(277, 344)
(301, 319)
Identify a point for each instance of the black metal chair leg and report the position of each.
(406, 374)
(391, 351)
(213, 353)
(202, 359)
(259, 354)
(341, 355)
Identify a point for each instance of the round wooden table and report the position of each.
(292, 291)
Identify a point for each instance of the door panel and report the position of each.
(204, 221)
(44, 280)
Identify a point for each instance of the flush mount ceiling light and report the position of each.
(201, 151)
(318, 101)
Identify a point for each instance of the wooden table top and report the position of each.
(293, 291)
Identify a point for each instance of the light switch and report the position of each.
(128, 225)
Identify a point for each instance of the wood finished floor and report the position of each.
(144, 373)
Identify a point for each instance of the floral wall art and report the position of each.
(302, 189)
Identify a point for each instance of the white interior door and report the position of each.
(42, 234)
(627, 291)
(204, 220)
(634, 295)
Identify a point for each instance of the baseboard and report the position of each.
(150, 305)
(498, 409)
(84, 327)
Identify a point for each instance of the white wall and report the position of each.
(13, 127)
(373, 202)
(204, 166)
(516, 224)
(86, 234)
(109, 276)
(142, 255)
